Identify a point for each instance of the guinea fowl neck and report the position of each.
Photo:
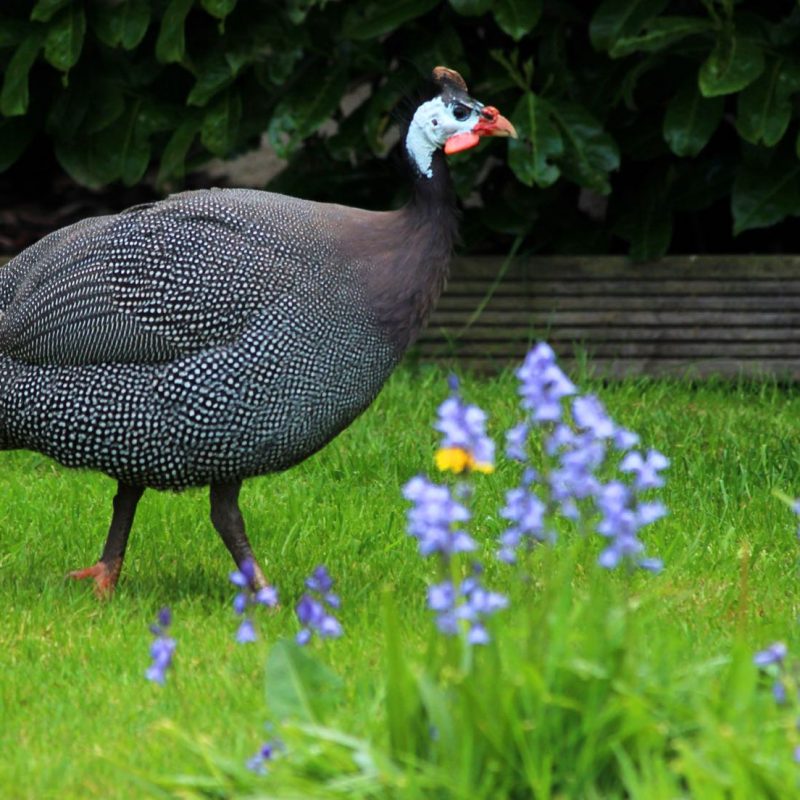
(418, 257)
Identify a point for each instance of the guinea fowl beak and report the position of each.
(493, 123)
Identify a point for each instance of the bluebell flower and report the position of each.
(247, 598)
(162, 648)
(516, 438)
(471, 603)
(543, 385)
(433, 516)
(314, 609)
(590, 415)
(526, 512)
(258, 763)
(645, 470)
(465, 445)
(774, 654)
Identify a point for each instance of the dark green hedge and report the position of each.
(643, 122)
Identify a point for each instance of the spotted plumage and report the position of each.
(212, 336)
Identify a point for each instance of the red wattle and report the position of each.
(461, 142)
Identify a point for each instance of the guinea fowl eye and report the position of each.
(461, 112)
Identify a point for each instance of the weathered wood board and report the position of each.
(693, 316)
(681, 316)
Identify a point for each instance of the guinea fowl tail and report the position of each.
(7, 372)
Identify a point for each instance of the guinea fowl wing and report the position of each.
(154, 283)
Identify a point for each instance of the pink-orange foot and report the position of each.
(105, 578)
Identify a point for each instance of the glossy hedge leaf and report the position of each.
(214, 73)
(14, 137)
(64, 40)
(298, 687)
(220, 126)
(589, 152)
(171, 42)
(471, 8)
(378, 18)
(660, 34)
(301, 112)
(531, 156)
(45, 10)
(764, 108)
(615, 19)
(517, 17)
(219, 8)
(762, 197)
(691, 119)
(121, 25)
(173, 159)
(14, 94)
(735, 62)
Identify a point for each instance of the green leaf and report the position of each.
(614, 19)
(735, 62)
(691, 120)
(14, 94)
(531, 156)
(64, 40)
(214, 73)
(220, 126)
(378, 18)
(764, 108)
(589, 152)
(471, 8)
(763, 197)
(517, 17)
(45, 10)
(171, 42)
(660, 34)
(14, 137)
(300, 113)
(298, 687)
(173, 158)
(219, 8)
(123, 25)
(106, 107)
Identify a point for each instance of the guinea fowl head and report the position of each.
(453, 121)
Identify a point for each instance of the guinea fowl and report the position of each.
(225, 333)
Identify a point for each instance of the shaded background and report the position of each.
(647, 126)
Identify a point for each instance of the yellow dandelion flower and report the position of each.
(456, 459)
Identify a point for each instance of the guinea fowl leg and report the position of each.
(227, 519)
(106, 571)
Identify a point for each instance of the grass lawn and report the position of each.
(78, 719)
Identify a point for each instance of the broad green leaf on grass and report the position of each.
(298, 686)
(691, 119)
(14, 137)
(660, 33)
(171, 42)
(517, 17)
(531, 156)
(220, 125)
(735, 62)
(300, 113)
(64, 40)
(614, 19)
(471, 8)
(173, 158)
(14, 94)
(45, 10)
(589, 152)
(762, 197)
(377, 18)
(121, 25)
(764, 108)
(219, 8)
